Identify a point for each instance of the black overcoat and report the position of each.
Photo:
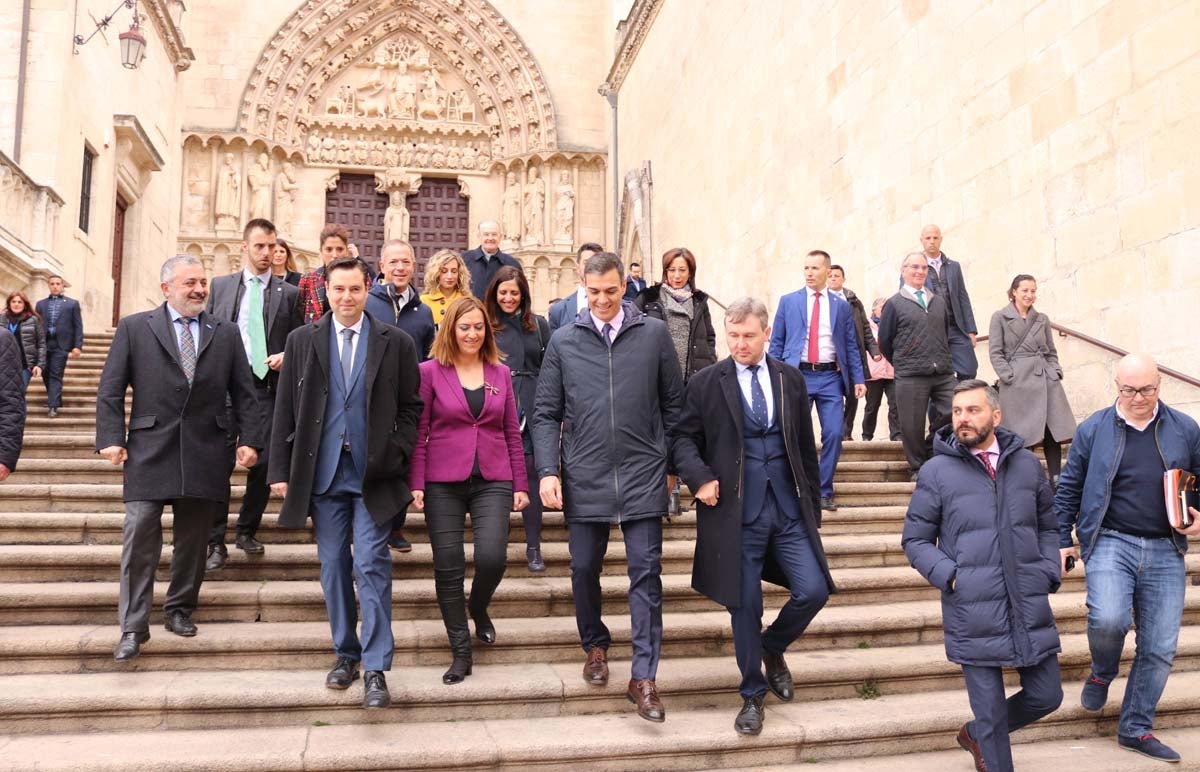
(393, 408)
(180, 443)
(707, 444)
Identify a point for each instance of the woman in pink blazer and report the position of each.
(468, 459)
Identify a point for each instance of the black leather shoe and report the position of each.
(180, 623)
(249, 544)
(779, 678)
(397, 542)
(536, 563)
(828, 504)
(375, 693)
(750, 718)
(485, 631)
(52, 412)
(460, 668)
(344, 673)
(216, 557)
(129, 646)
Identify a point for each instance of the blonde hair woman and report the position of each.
(446, 280)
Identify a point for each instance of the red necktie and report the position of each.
(985, 457)
(814, 329)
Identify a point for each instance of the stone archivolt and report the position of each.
(438, 84)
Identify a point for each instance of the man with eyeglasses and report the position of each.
(1111, 494)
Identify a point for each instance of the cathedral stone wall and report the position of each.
(1051, 137)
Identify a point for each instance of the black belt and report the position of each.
(819, 367)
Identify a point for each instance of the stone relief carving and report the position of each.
(227, 202)
(259, 181)
(285, 198)
(535, 208)
(564, 209)
(511, 211)
(197, 191)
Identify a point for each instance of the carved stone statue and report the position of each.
(259, 180)
(535, 208)
(564, 209)
(396, 221)
(285, 198)
(511, 209)
(228, 198)
(196, 206)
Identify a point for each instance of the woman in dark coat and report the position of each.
(521, 337)
(684, 308)
(1032, 398)
(26, 326)
(284, 264)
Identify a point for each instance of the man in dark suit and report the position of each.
(563, 312)
(183, 365)
(345, 426)
(867, 346)
(744, 443)
(946, 279)
(486, 259)
(265, 309)
(634, 283)
(814, 331)
(64, 339)
(12, 404)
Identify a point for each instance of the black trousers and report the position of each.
(917, 395)
(875, 393)
(258, 492)
(446, 507)
(531, 516)
(997, 717)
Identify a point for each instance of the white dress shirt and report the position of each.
(764, 379)
(826, 351)
(354, 339)
(911, 292)
(243, 316)
(581, 299)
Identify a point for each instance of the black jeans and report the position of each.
(446, 506)
(531, 516)
(875, 392)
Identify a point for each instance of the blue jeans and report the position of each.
(1133, 579)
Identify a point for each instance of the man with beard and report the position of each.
(183, 364)
(981, 528)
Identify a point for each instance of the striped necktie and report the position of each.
(187, 348)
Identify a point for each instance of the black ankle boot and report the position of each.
(460, 668)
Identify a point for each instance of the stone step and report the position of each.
(99, 562)
(128, 701)
(305, 645)
(521, 594)
(794, 733)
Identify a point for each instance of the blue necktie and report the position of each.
(347, 356)
(758, 400)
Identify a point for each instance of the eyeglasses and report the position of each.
(1129, 392)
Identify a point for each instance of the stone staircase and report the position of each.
(874, 690)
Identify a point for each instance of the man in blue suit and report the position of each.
(64, 338)
(564, 311)
(826, 351)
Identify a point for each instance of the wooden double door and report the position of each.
(438, 218)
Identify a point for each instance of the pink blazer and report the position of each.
(448, 436)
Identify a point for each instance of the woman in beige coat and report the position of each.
(1032, 400)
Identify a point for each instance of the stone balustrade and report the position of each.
(28, 224)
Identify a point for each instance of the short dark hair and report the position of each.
(672, 254)
(56, 276)
(603, 262)
(836, 267)
(261, 223)
(635, 263)
(972, 384)
(588, 246)
(349, 264)
(821, 253)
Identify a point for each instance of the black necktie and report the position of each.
(758, 399)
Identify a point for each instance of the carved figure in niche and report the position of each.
(329, 149)
(564, 208)
(453, 156)
(396, 220)
(281, 130)
(285, 198)
(391, 154)
(407, 156)
(343, 103)
(196, 208)
(345, 148)
(432, 104)
(314, 148)
(377, 153)
(421, 157)
(402, 102)
(261, 125)
(259, 180)
(511, 209)
(227, 202)
(362, 150)
(535, 208)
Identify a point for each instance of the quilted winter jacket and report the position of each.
(12, 401)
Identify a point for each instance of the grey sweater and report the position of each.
(913, 339)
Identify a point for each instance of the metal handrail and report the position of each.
(1067, 332)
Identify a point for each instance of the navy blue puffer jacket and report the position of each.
(998, 541)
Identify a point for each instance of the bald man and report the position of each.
(946, 279)
(1111, 495)
(486, 259)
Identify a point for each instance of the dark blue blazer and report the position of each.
(789, 334)
(564, 311)
(68, 329)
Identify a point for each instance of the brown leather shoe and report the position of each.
(595, 670)
(644, 694)
(968, 744)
